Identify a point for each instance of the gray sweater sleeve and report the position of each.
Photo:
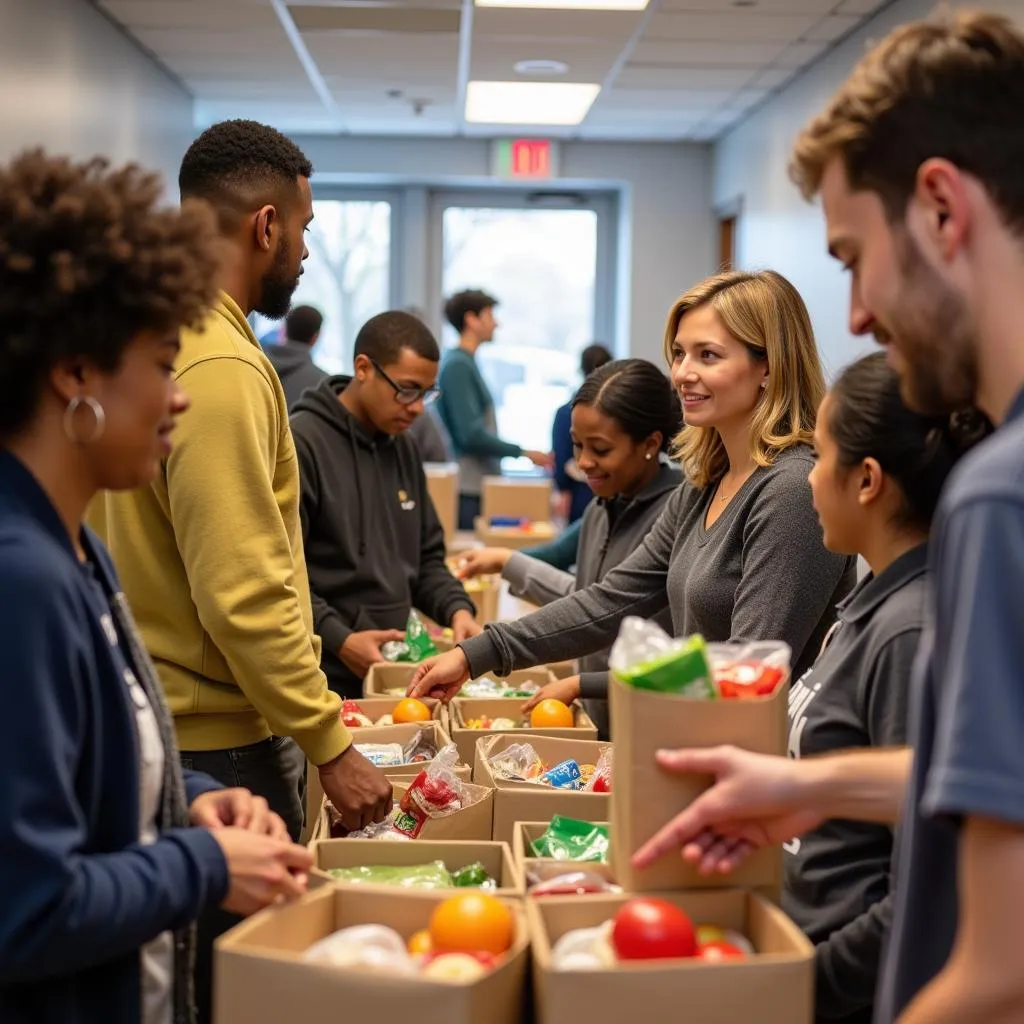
(536, 581)
(788, 576)
(847, 963)
(587, 620)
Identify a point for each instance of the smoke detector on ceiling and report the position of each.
(540, 67)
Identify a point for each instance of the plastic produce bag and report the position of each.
(488, 686)
(410, 876)
(473, 876)
(436, 792)
(569, 839)
(742, 671)
(370, 947)
(601, 780)
(570, 883)
(518, 762)
(420, 748)
(645, 657)
(416, 646)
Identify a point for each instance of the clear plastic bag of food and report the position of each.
(436, 792)
(746, 670)
(488, 686)
(409, 876)
(421, 748)
(601, 780)
(570, 883)
(383, 755)
(645, 657)
(518, 762)
(368, 947)
(416, 646)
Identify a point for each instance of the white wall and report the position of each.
(72, 82)
(777, 228)
(669, 241)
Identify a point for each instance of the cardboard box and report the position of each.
(388, 680)
(485, 593)
(377, 707)
(563, 669)
(464, 708)
(774, 987)
(454, 854)
(644, 797)
(527, 801)
(543, 868)
(404, 734)
(515, 537)
(473, 823)
(262, 978)
(443, 488)
(523, 498)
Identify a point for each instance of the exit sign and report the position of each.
(524, 158)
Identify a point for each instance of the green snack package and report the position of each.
(569, 839)
(473, 876)
(414, 876)
(685, 672)
(417, 640)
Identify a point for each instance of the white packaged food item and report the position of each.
(370, 947)
(584, 949)
(383, 755)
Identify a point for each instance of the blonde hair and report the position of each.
(945, 87)
(764, 312)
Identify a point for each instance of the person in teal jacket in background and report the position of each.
(466, 406)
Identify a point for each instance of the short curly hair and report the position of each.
(235, 165)
(88, 261)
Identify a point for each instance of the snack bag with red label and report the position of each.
(435, 793)
(748, 671)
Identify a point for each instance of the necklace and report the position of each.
(723, 498)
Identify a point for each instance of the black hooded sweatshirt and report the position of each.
(374, 545)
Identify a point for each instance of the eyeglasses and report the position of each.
(409, 396)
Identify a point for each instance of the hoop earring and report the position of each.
(99, 416)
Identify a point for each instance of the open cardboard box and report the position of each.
(463, 709)
(644, 797)
(525, 499)
(376, 707)
(776, 986)
(474, 822)
(388, 679)
(528, 801)
(548, 867)
(515, 537)
(454, 854)
(262, 978)
(403, 734)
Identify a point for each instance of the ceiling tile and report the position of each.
(819, 7)
(493, 59)
(195, 15)
(662, 101)
(710, 54)
(736, 26)
(668, 77)
(375, 19)
(861, 7)
(533, 23)
(832, 28)
(168, 42)
(771, 78)
(798, 55)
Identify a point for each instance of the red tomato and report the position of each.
(715, 951)
(652, 929)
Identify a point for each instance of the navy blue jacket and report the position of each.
(78, 894)
(561, 445)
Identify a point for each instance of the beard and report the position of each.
(934, 337)
(278, 284)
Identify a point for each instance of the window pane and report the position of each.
(347, 276)
(540, 265)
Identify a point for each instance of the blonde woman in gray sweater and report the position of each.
(737, 552)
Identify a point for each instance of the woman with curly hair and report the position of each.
(109, 851)
(737, 552)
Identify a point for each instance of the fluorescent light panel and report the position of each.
(569, 5)
(529, 102)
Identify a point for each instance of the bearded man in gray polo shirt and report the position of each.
(918, 160)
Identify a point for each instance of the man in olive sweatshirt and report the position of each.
(211, 553)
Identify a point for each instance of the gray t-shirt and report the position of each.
(761, 572)
(967, 705)
(837, 877)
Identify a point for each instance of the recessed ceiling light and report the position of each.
(540, 67)
(529, 102)
(569, 5)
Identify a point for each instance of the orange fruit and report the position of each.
(474, 922)
(420, 942)
(552, 714)
(410, 710)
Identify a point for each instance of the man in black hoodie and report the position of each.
(374, 545)
(293, 356)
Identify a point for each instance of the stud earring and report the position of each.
(648, 456)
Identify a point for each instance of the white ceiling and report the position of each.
(682, 69)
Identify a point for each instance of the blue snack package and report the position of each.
(566, 775)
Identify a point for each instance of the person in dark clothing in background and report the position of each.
(293, 355)
(876, 482)
(569, 481)
(466, 405)
(374, 545)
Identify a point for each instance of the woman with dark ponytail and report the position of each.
(624, 417)
(876, 482)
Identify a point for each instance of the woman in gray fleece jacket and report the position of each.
(623, 416)
(737, 552)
